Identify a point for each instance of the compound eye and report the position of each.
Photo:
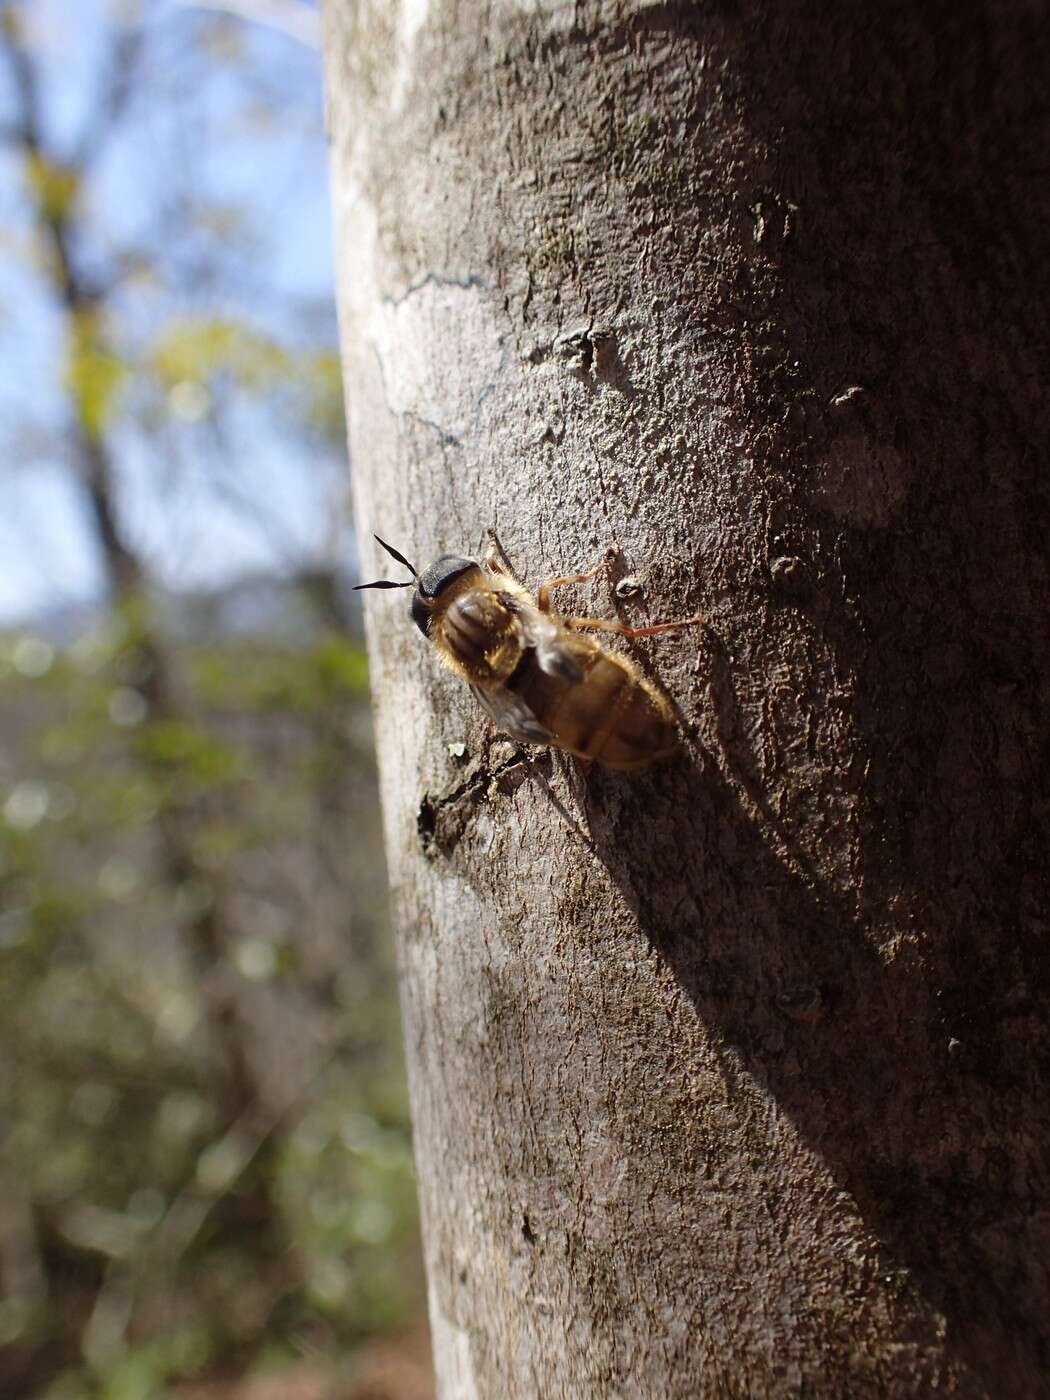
(421, 614)
(443, 573)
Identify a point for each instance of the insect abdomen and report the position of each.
(611, 715)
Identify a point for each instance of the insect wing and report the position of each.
(552, 643)
(510, 714)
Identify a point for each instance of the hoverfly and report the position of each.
(538, 678)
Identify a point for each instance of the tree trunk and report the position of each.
(728, 1076)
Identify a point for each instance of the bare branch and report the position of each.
(118, 88)
(26, 126)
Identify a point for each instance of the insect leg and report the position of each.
(543, 593)
(598, 624)
(496, 558)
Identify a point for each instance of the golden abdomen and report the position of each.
(611, 715)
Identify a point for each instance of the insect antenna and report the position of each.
(388, 583)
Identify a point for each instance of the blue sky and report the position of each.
(228, 124)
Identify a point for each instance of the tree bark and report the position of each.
(728, 1077)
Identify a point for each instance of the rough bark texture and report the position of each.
(729, 1078)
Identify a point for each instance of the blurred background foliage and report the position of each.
(206, 1182)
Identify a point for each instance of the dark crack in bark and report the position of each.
(443, 819)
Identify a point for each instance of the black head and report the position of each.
(433, 582)
(430, 584)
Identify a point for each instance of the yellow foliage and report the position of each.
(94, 373)
(198, 350)
(53, 187)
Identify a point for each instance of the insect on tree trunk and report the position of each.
(728, 1076)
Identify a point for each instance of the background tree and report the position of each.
(204, 1163)
(727, 1078)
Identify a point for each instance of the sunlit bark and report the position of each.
(728, 1077)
